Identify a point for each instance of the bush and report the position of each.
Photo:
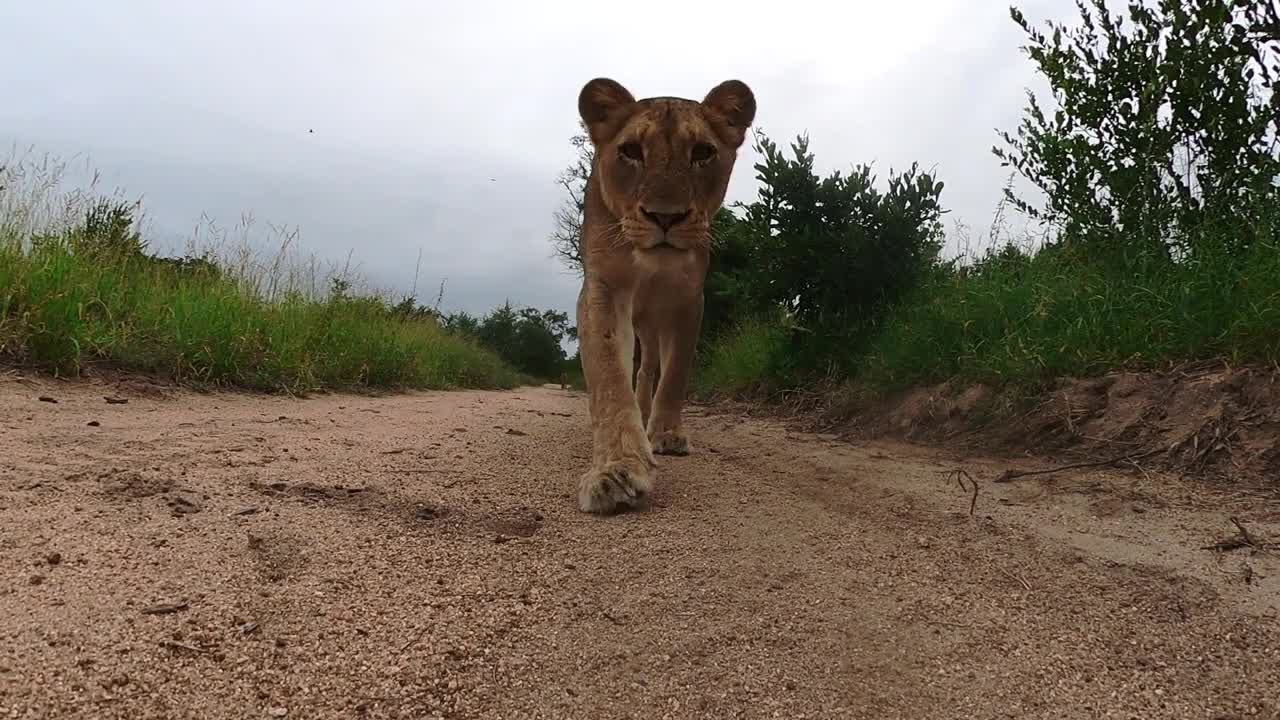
(829, 255)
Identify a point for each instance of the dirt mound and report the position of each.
(1220, 424)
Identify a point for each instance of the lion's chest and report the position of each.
(666, 280)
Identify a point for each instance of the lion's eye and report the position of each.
(631, 151)
(703, 153)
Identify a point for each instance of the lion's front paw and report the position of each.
(618, 486)
(670, 442)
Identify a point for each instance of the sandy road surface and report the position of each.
(231, 556)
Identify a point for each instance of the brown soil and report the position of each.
(234, 556)
(1212, 424)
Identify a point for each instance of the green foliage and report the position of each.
(744, 358)
(524, 337)
(88, 293)
(829, 255)
(1026, 320)
(833, 250)
(1165, 128)
(725, 295)
(1160, 175)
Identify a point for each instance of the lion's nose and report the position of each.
(666, 221)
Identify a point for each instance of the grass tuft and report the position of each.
(77, 289)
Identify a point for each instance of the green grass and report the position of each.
(742, 360)
(1019, 321)
(64, 306)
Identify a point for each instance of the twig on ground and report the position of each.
(1016, 578)
(960, 475)
(1011, 475)
(1244, 533)
(1146, 475)
(174, 644)
(1242, 539)
(416, 637)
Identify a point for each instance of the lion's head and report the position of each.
(663, 164)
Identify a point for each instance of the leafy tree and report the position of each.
(1165, 124)
(526, 338)
(835, 251)
(731, 257)
(462, 323)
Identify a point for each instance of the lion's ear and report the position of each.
(598, 104)
(735, 102)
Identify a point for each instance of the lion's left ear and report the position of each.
(735, 102)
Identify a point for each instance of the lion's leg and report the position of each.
(678, 343)
(646, 379)
(623, 467)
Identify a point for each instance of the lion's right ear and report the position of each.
(599, 103)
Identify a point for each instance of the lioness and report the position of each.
(661, 169)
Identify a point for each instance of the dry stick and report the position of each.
(960, 474)
(1243, 538)
(1011, 475)
(1248, 538)
(1021, 580)
(416, 637)
(183, 646)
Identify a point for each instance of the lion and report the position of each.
(661, 169)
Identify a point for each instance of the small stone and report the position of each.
(165, 609)
(46, 398)
(183, 503)
(36, 579)
(53, 558)
(93, 423)
(923, 542)
(278, 712)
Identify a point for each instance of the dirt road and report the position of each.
(232, 556)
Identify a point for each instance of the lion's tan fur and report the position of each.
(661, 169)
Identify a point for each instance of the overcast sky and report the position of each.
(441, 127)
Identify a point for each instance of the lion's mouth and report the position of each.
(665, 245)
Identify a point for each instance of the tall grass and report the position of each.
(742, 360)
(228, 318)
(1024, 320)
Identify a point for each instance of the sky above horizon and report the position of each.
(386, 129)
